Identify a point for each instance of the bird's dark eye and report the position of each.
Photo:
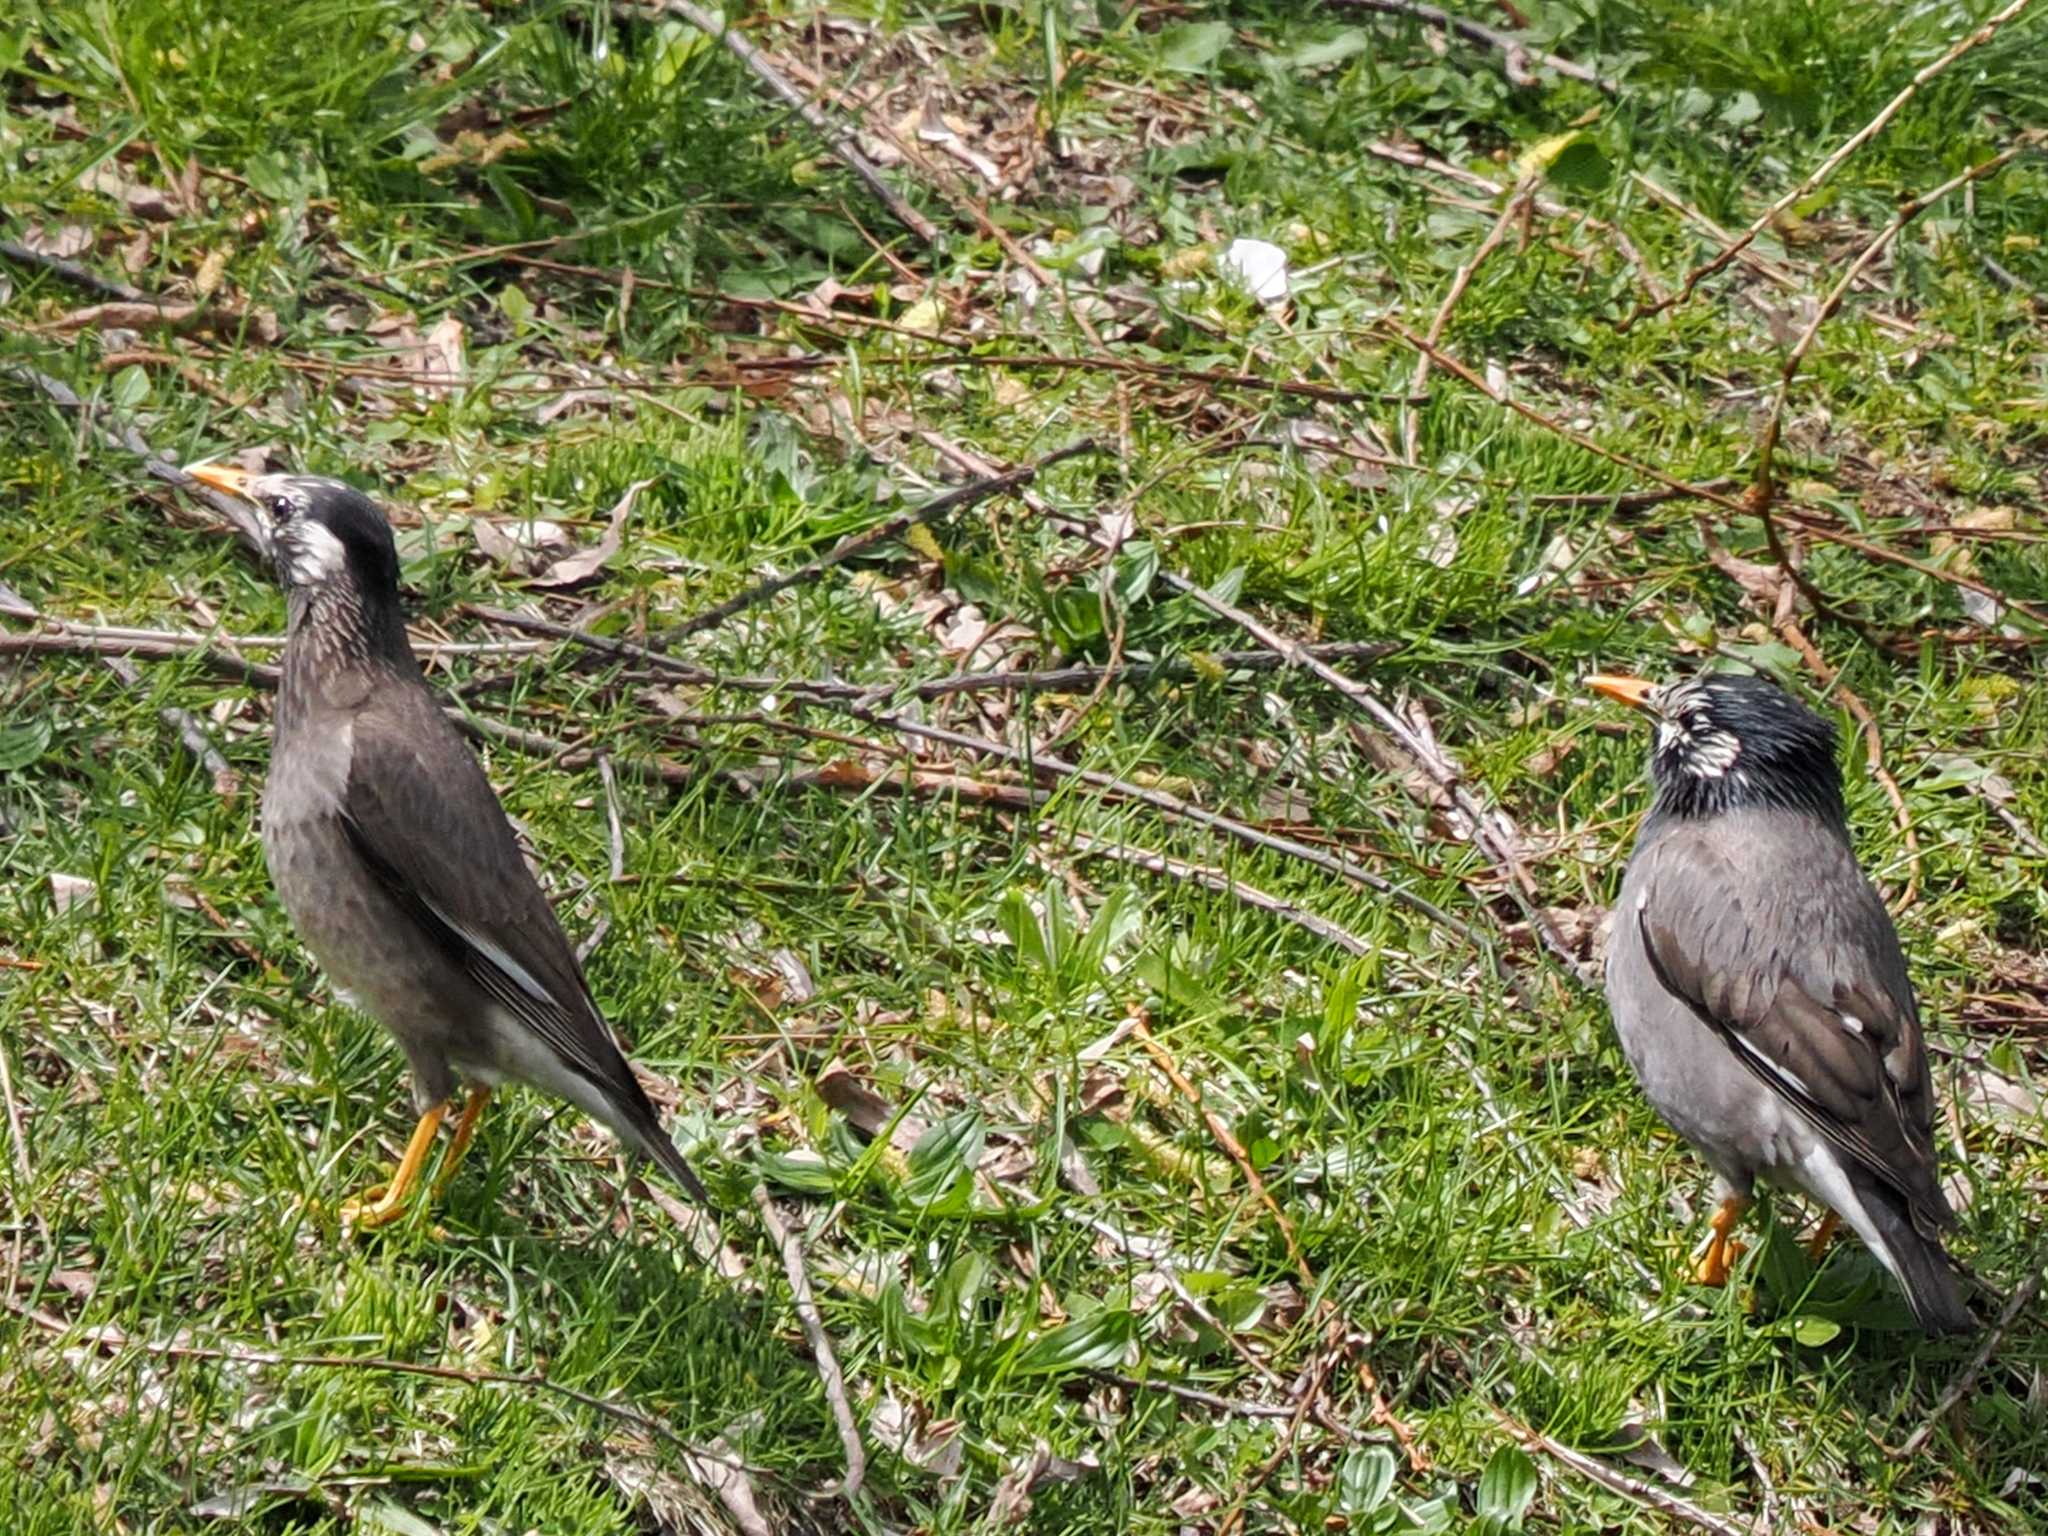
(280, 509)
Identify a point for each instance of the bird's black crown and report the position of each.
(1726, 740)
(325, 532)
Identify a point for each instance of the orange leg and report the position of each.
(1817, 1246)
(1722, 1250)
(382, 1203)
(465, 1129)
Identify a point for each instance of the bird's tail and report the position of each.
(1920, 1263)
(632, 1115)
(663, 1151)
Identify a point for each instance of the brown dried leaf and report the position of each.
(62, 241)
(1012, 1501)
(574, 570)
(441, 355)
(212, 269)
(144, 202)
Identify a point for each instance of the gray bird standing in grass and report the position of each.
(392, 855)
(1757, 985)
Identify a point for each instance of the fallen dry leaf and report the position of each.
(1012, 1500)
(151, 203)
(62, 241)
(180, 316)
(574, 570)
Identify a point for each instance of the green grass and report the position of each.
(189, 1093)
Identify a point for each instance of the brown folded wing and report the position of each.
(425, 820)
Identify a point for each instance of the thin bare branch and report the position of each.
(1764, 489)
(122, 434)
(71, 272)
(1515, 206)
(114, 1339)
(821, 1342)
(881, 533)
(1966, 1379)
(1515, 54)
(837, 136)
(1226, 884)
(1834, 162)
(1612, 1478)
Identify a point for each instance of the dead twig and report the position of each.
(1145, 368)
(23, 1170)
(112, 1339)
(1451, 365)
(191, 734)
(881, 533)
(1491, 832)
(1862, 546)
(837, 136)
(1226, 884)
(1515, 54)
(1175, 807)
(238, 516)
(1612, 1478)
(1141, 1026)
(1764, 489)
(822, 1355)
(1966, 1380)
(1419, 159)
(1382, 1413)
(71, 272)
(615, 833)
(1515, 207)
(74, 640)
(1873, 742)
(1311, 1398)
(1830, 165)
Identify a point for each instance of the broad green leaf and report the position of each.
(1364, 1479)
(1020, 922)
(804, 1172)
(1330, 50)
(1090, 1343)
(1506, 1487)
(130, 387)
(1816, 1331)
(1193, 46)
(21, 745)
(517, 306)
(943, 1161)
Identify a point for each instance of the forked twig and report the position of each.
(2022, 1297)
(1615, 1480)
(1830, 165)
(1516, 205)
(1764, 489)
(1515, 54)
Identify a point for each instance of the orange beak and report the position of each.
(222, 477)
(1632, 691)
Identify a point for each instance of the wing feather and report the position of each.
(1815, 1002)
(426, 822)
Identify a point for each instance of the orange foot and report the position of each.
(1721, 1252)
